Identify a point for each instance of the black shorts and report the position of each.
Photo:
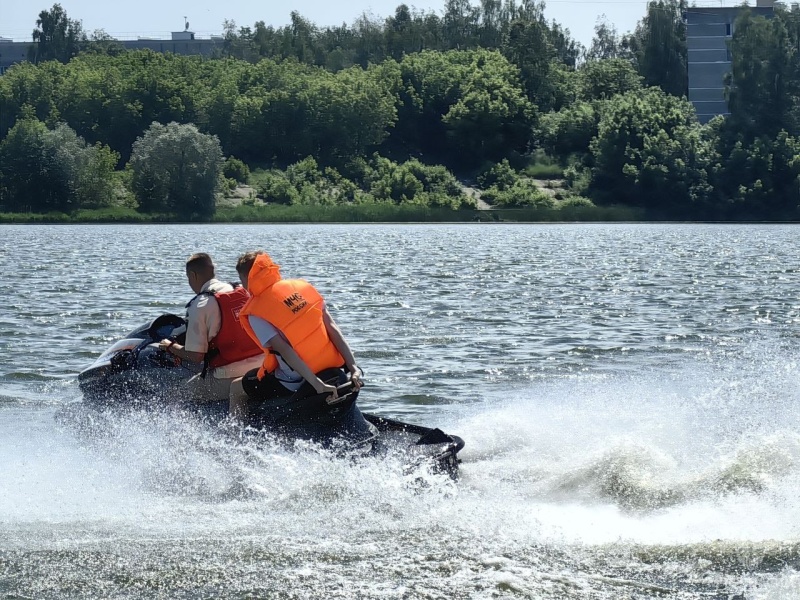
(269, 387)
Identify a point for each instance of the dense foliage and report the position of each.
(386, 111)
(53, 169)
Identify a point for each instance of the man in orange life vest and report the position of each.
(289, 320)
(214, 335)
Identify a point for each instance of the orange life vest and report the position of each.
(293, 307)
(232, 343)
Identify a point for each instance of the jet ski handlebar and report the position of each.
(340, 397)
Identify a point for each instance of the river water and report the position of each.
(629, 396)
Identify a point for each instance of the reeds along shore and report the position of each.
(374, 213)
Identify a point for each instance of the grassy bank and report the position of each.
(101, 215)
(363, 213)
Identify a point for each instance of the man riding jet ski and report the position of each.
(309, 385)
(214, 337)
(288, 319)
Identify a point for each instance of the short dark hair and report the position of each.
(200, 262)
(246, 260)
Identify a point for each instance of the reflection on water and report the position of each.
(628, 395)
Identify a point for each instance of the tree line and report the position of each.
(388, 110)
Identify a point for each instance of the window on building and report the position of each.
(728, 29)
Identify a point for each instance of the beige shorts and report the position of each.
(208, 389)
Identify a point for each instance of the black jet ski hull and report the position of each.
(423, 444)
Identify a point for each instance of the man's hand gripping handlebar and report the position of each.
(344, 391)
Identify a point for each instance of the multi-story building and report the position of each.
(182, 42)
(708, 32)
(12, 52)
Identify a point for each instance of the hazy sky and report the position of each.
(156, 18)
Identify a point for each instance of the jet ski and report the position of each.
(134, 373)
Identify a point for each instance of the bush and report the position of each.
(397, 185)
(435, 178)
(578, 178)
(303, 172)
(276, 187)
(575, 202)
(414, 182)
(236, 169)
(569, 130)
(500, 176)
(385, 181)
(304, 183)
(521, 194)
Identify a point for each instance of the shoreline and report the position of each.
(365, 213)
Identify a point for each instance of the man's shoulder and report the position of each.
(205, 299)
(207, 295)
(295, 284)
(216, 286)
(202, 303)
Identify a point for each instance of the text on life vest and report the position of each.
(295, 302)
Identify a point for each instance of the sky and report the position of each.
(157, 18)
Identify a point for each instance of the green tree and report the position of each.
(404, 33)
(218, 99)
(42, 169)
(567, 50)
(30, 177)
(493, 117)
(239, 44)
(100, 42)
(464, 104)
(606, 42)
(659, 46)
(646, 153)
(303, 40)
(56, 37)
(90, 168)
(569, 130)
(368, 41)
(460, 24)
(764, 75)
(528, 46)
(759, 179)
(29, 91)
(602, 79)
(290, 111)
(176, 169)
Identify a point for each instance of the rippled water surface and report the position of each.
(628, 395)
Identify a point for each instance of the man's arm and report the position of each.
(181, 352)
(337, 337)
(291, 358)
(203, 311)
